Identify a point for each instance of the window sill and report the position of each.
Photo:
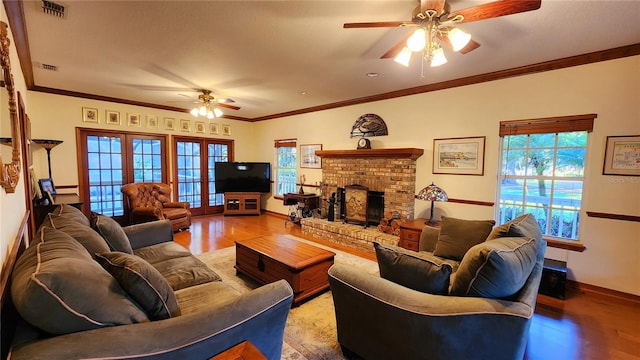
(579, 247)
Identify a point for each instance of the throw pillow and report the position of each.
(143, 283)
(458, 235)
(59, 288)
(495, 269)
(84, 234)
(526, 226)
(112, 232)
(417, 271)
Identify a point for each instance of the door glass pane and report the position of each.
(189, 173)
(147, 166)
(215, 153)
(105, 175)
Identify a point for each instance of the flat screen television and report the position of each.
(242, 177)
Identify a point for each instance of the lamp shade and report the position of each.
(432, 193)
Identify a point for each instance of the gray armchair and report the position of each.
(379, 319)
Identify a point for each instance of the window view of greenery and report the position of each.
(147, 160)
(104, 159)
(189, 173)
(286, 175)
(543, 174)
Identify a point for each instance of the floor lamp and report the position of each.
(48, 145)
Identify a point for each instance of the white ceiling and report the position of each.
(264, 54)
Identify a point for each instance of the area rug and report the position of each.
(310, 332)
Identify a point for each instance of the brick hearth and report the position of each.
(392, 171)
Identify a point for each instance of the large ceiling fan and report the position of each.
(208, 105)
(435, 21)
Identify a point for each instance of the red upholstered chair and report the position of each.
(152, 201)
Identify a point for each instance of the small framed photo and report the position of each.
(308, 158)
(459, 156)
(46, 185)
(622, 156)
(112, 117)
(226, 130)
(169, 123)
(90, 115)
(152, 122)
(185, 125)
(213, 128)
(133, 120)
(200, 127)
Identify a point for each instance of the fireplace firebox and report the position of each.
(375, 206)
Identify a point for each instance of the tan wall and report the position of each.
(610, 89)
(12, 206)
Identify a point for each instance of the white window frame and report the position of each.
(286, 184)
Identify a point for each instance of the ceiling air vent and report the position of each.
(51, 8)
(49, 67)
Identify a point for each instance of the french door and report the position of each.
(110, 159)
(194, 175)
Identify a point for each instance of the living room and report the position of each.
(610, 89)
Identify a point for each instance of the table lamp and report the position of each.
(432, 193)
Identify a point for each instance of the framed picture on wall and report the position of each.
(226, 130)
(112, 117)
(133, 120)
(152, 121)
(169, 123)
(308, 158)
(47, 185)
(90, 115)
(200, 127)
(622, 156)
(459, 156)
(213, 128)
(185, 125)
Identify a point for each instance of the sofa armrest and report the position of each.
(442, 327)
(149, 233)
(176, 204)
(258, 316)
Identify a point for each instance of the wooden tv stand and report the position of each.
(242, 203)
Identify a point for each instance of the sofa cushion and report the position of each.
(160, 252)
(495, 269)
(72, 213)
(458, 235)
(418, 271)
(84, 234)
(59, 288)
(185, 271)
(112, 232)
(143, 283)
(525, 226)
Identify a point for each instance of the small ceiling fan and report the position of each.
(434, 21)
(209, 105)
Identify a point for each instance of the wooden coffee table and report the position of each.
(268, 259)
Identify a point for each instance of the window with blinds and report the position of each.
(542, 172)
(286, 160)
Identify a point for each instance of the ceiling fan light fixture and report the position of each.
(417, 41)
(210, 115)
(194, 112)
(458, 38)
(403, 57)
(217, 112)
(203, 110)
(438, 58)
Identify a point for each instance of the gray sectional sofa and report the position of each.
(88, 288)
(470, 293)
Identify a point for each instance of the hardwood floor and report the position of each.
(590, 326)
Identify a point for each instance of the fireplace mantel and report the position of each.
(400, 153)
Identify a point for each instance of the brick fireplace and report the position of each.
(392, 171)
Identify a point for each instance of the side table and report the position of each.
(410, 231)
(300, 206)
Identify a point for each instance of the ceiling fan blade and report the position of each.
(395, 50)
(437, 5)
(232, 107)
(472, 45)
(225, 100)
(496, 9)
(376, 24)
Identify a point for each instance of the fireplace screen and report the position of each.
(355, 204)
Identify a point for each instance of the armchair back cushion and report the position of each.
(152, 201)
(459, 235)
